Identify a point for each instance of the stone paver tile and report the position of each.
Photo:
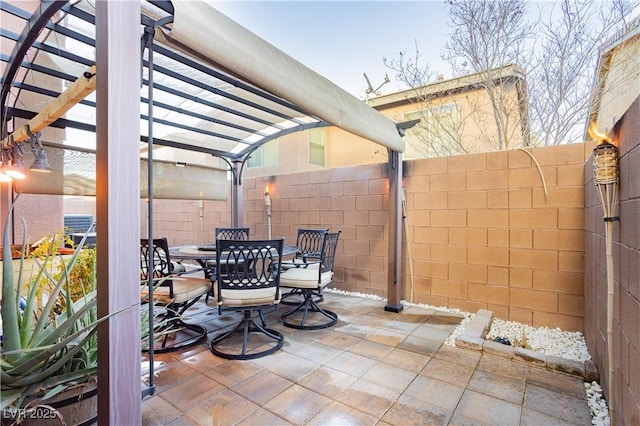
(536, 418)
(262, 387)
(371, 321)
(555, 380)
(339, 414)
(192, 392)
(226, 407)
(429, 331)
(370, 349)
(416, 314)
(387, 375)
(435, 392)
(203, 360)
(356, 330)
(340, 340)
(327, 381)
(386, 337)
(557, 404)
(231, 372)
(421, 346)
(487, 409)
(158, 411)
(289, 366)
(353, 364)
(406, 360)
(368, 305)
(459, 420)
(297, 405)
(411, 411)
(183, 420)
(191, 350)
(318, 352)
(368, 397)
(505, 388)
(263, 417)
(403, 325)
(446, 371)
(443, 319)
(501, 366)
(172, 373)
(457, 355)
(293, 346)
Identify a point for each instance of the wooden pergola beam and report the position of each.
(80, 89)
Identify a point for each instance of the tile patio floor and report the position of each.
(372, 368)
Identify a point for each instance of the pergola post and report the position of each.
(394, 259)
(118, 211)
(237, 196)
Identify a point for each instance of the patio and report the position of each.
(373, 367)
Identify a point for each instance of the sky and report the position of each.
(342, 40)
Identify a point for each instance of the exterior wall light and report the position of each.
(40, 162)
(16, 170)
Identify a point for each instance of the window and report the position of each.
(266, 155)
(316, 146)
(437, 134)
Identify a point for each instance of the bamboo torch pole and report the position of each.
(605, 172)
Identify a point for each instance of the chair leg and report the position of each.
(308, 305)
(246, 327)
(297, 291)
(179, 335)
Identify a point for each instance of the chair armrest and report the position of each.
(307, 260)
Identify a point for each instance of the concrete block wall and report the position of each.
(480, 229)
(481, 232)
(626, 259)
(484, 234)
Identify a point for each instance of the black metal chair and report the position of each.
(248, 281)
(232, 233)
(227, 234)
(308, 279)
(308, 248)
(175, 292)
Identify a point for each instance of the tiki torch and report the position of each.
(267, 206)
(606, 176)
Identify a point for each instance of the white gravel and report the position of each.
(550, 341)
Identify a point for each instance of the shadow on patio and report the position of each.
(373, 367)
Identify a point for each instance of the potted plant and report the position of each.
(49, 350)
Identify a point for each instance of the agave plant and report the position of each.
(44, 352)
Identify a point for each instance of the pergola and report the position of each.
(156, 80)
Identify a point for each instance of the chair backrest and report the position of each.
(248, 265)
(309, 242)
(328, 255)
(232, 233)
(161, 260)
(162, 266)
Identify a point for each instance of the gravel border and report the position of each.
(473, 337)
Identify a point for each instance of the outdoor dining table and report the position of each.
(205, 254)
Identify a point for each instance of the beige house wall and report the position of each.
(478, 131)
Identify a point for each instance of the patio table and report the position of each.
(205, 254)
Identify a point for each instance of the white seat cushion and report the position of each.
(184, 289)
(304, 278)
(248, 297)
